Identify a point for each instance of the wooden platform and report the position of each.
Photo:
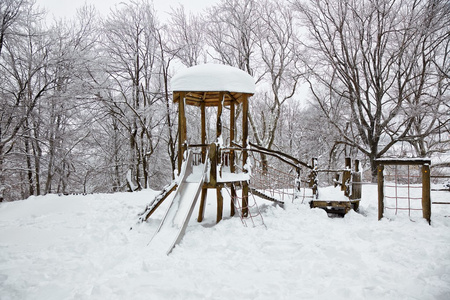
(336, 207)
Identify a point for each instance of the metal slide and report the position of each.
(174, 223)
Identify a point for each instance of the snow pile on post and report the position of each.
(213, 77)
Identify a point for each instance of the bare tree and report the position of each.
(231, 33)
(25, 56)
(131, 45)
(362, 62)
(61, 125)
(259, 38)
(429, 102)
(186, 35)
(278, 53)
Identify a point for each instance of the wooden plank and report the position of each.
(334, 203)
(339, 207)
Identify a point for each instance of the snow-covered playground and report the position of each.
(81, 247)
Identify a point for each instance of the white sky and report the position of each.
(66, 8)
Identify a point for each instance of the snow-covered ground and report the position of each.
(81, 247)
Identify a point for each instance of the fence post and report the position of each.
(313, 181)
(426, 201)
(298, 182)
(356, 182)
(380, 179)
(346, 176)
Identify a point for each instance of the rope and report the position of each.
(401, 190)
(254, 213)
(281, 185)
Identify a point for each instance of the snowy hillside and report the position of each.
(81, 247)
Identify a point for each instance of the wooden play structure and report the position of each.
(223, 162)
(350, 183)
(219, 93)
(218, 87)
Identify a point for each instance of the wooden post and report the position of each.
(182, 132)
(219, 203)
(380, 179)
(244, 129)
(245, 199)
(203, 133)
(213, 162)
(298, 183)
(356, 187)
(201, 211)
(346, 176)
(356, 182)
(233, 198)
(244, 154)
(426, 201)
(232, 134)
(219, 115)
(313, 181)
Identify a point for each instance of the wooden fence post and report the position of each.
(426, 201)
(346, 176)
(380, 180)
(356, 182)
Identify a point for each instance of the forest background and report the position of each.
(86, 101)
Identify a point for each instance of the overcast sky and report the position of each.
(67, 8)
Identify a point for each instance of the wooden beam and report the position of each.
(396, 161)
(164, 197)
(278, 153)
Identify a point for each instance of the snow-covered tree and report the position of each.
(370, 66)
(132, 51)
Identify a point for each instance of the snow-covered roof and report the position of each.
(213, 77)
